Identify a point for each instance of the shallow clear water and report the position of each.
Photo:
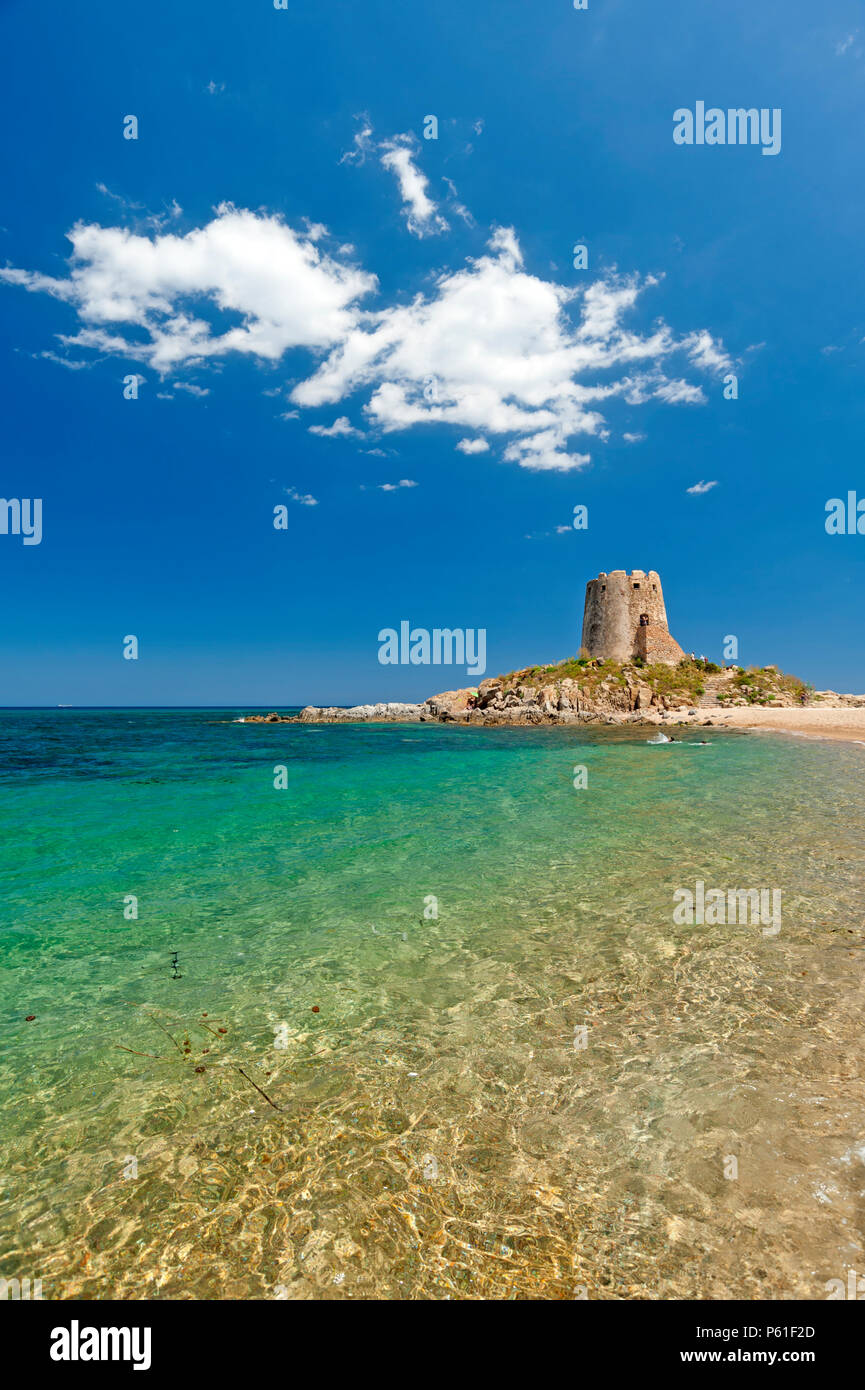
(437, 1132)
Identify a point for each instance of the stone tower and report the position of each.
(625, 617)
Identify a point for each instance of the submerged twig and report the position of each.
(161, 1025)
(258, 1088)
(158, 1023)
(198, 1022)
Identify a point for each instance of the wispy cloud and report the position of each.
(305, 499)
(459, 209)
(705, 352)
(544, 535)
(363, 143)
(137, 212)
(73, 364)
(702, 487)
(398, 154)
(422, 215)
(473, 446)
(680, 393)
(341, 428)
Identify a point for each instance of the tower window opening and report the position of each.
(636, 586)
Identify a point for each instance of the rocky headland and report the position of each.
(596, 691)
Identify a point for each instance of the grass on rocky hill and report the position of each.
(589, 673)
(760, 685)
(757, 685)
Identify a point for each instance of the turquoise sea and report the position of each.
(365, 1076)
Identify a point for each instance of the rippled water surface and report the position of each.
(428, 1127)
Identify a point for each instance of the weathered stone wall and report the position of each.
(654, 644)
(611, 617)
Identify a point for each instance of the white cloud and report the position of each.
(340, 429)
(542, 452)
(680, 393)
(283, 291)
(304, 498)
(633, 438)
(503, 355)
(421, 213)
(706, 353)
(702, 487)
(191, 388)
(394, 487)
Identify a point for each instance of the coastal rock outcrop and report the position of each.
(394, 713)
(451, 704)
(589, 690)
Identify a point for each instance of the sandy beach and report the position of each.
(841, 722)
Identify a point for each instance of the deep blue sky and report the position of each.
(158, 512)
